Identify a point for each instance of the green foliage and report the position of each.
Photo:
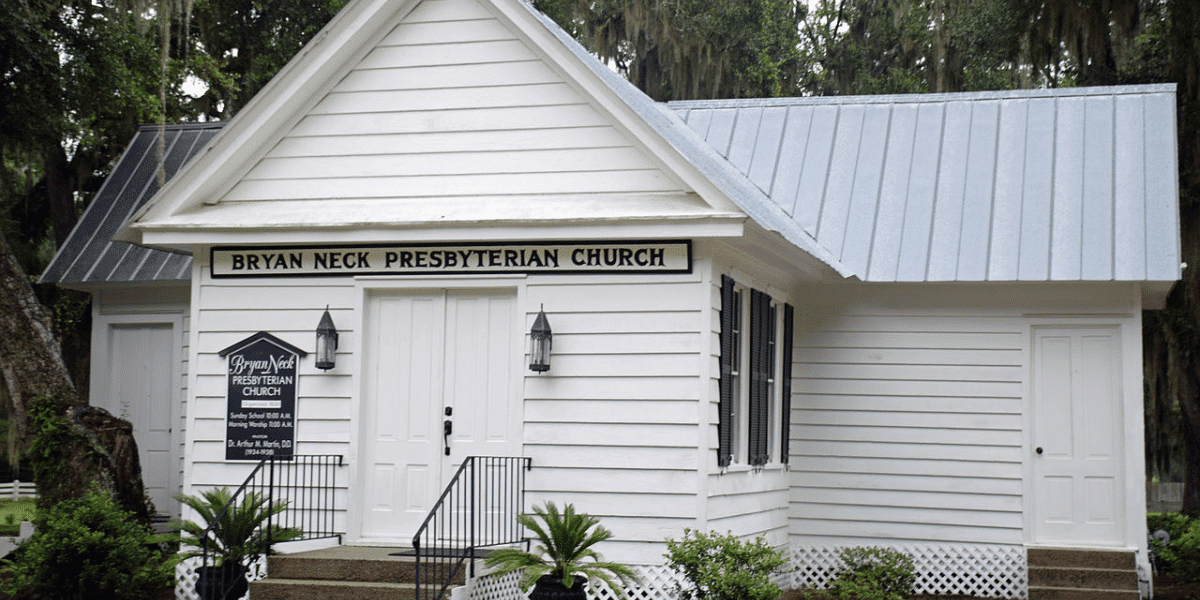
(239, 45)
(722, 567)
(15, 511)
(240, 532)
(90, 548)
(55, 445)
(691, 49)
(1181, 557)
(860, 47)
(873, 574)
(565, 543)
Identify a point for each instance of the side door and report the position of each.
(140, 384)
(1077, 443)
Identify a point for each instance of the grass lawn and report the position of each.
(12, 512)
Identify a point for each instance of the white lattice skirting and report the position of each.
(985, 571)
(977, 570)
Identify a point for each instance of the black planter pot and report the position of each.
(549, 587)
(226, 582)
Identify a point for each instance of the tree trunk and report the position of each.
(94, 448)
(60, 191)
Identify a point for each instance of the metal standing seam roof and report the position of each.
(1074, 184)
(89, 255)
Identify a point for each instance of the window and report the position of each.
(755, 379)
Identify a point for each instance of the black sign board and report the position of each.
(261, 420)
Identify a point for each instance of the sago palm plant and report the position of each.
(239, 532)
(564, 552)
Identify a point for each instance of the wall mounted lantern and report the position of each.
(539, 343)
(327, 342)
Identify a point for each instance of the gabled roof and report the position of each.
(1041, 185)
(208, 202)
(89, 255)
(1074, 184)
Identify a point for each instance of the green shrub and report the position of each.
(89, 548)
(873, 574)
(1172, 522)
(1181, 557)
(722, 567)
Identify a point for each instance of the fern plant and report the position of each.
(564, 552)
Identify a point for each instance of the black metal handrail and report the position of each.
(478, 509)
(305, 484)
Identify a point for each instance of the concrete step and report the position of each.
(1082, 574)
(347, 573)
(313, 589)
(351, 563)
(1044, 593)
(1082, 558)
(1067, 577)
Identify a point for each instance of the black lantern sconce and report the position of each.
(327, 342)
(540, 340)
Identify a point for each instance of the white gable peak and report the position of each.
(404, 114)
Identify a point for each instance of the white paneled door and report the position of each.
(140, 387)
(439, 372)
(1077, 441)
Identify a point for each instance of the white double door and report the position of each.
(1079, 490)
(440, 368)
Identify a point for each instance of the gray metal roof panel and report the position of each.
(1024, 185)
(89, 256)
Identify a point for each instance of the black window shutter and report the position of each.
(760, 307)
(785, 418)
(725, 402)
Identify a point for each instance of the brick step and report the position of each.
(1068, 577)
(312, 589)
(1054, 593)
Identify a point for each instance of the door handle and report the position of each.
(1039, 450)
(447, 429)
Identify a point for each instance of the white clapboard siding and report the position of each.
(907, 424)
(460, 142)
(612, 427)
(451, 103)
(232, 310)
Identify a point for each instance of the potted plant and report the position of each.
(557, 568)
(235, 538)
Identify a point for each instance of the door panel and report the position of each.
(427, 352)
(480, 334)
(1078, 484)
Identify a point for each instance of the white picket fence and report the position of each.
(15, 490)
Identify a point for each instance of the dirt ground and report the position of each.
(1167, 589)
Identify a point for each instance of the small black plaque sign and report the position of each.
(261, 418)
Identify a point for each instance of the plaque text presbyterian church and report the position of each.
(641, 256)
